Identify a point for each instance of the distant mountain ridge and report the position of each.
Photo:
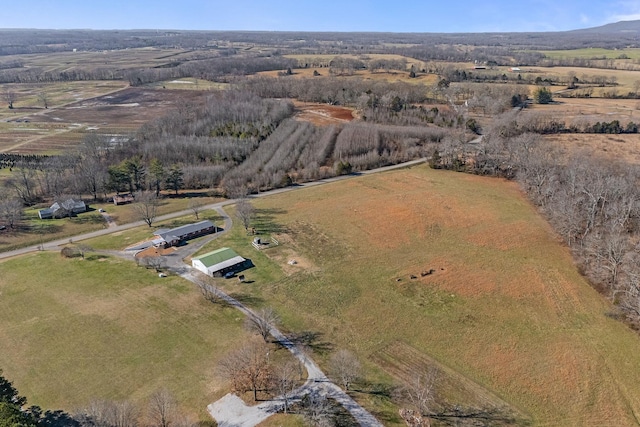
(624, 27)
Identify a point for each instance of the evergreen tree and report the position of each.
(543, 96)
(174, 178)
(157, 175)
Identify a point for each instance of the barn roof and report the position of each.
(220, 256)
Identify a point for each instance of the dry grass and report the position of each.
(504, 308)
(619, 148)
(591, 110)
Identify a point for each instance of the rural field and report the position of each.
(120, 113)
(503, 313)
(618, 148)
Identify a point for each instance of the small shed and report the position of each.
(220, 262)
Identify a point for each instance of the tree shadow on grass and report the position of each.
(265, 221)
(87, 219)
(311, 340)
(246, 299)
(384, 391)
(42, 228)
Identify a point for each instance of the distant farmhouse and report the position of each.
(221, 262)
(62, 209)
(173, 237)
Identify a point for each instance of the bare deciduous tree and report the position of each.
(196, 205)
(44, 99)
(83, 249)
(317, 410)
(419, 393)
(104, 413)
(262, 322)
(156, 262)
(285, 379)
(9, 97)
(245, 212)
(344, 368)
(11, 211)
(162, 409)
(208, 292)
(146, 206)
(23, 183)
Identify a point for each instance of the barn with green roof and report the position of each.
(220, 262)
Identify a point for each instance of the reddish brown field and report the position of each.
(322, 114)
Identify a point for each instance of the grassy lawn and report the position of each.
(74, 330)
(35, 231)
(503, 314)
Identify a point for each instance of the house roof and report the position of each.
(184, 230)
(69, 204)
(220, 256)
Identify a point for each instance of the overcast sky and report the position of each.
(318, 15)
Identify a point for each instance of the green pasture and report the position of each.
(75, 330)
(35, 231)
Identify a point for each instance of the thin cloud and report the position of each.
(627, 17)
(630, 12)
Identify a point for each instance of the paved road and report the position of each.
(55, 244)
